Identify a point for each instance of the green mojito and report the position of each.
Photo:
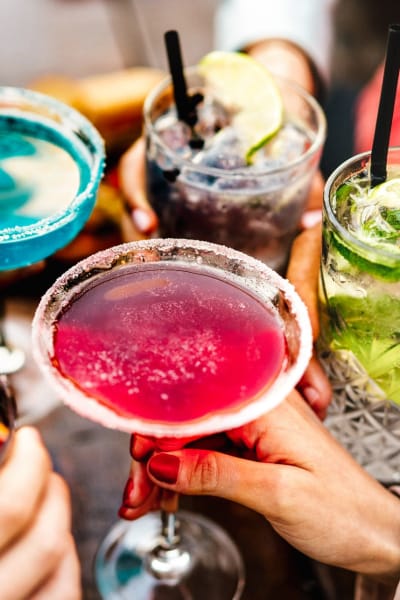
(360, 312)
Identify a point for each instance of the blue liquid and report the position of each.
(43, 168)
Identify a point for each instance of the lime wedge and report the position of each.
(246, 88)
(387, 193)
(386, 272)
(372, 216)
(380, 225)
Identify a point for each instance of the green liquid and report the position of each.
(370, 328)
(360, 286)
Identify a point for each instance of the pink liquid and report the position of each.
(166, 344)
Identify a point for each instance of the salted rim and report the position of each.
(75, 127)
(42, 340)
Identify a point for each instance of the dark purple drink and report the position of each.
(201, 187)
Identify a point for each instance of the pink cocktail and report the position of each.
(173, 339)
(168, 345)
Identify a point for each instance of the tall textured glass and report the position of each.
(360, 312)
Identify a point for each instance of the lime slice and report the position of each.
(246, 88)
(372, 216)
(387, 193)
(386, 272)
(380, 222)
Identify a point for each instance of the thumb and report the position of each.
(131, 175)
(316, 388)
(203, 472)
(303, 270)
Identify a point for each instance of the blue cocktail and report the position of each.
(51, 163)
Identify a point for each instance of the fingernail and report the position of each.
(132, 446)
(125, 512)
(142, 220)
(127, 491)
(311, 218)
(311, 395)
(164, 467)
(137, 452)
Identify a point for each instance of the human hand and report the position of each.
(287, 60)
(281, 57)
(303, 272)
(287, 467)
(131, 177)
(38, 559)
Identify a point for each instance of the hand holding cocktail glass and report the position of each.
(34, 526)
(229, 162)
(302, 479)
(331, 463)
(217, 221)
(172, 339)
(286, 466)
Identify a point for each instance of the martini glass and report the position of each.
(51, 162)
(175, 339)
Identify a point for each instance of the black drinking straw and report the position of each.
(384, 118)
(182, 100)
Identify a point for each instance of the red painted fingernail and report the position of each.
(125, 512)
(132, 445)
(127, 491)
(137, 451)
(164, 467)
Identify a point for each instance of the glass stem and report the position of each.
(169, 506)
(169, 561)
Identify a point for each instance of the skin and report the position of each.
(38, 559)
(286, 466)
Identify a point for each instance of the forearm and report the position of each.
(384, 563)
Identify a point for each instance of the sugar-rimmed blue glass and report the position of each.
(28, 118)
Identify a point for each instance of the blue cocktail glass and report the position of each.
(51, 163)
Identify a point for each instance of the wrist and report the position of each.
(284, 58)
(383, 563)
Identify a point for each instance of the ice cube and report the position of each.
(224, 151)
(288, 144)
(175, 134)
(211, 118)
